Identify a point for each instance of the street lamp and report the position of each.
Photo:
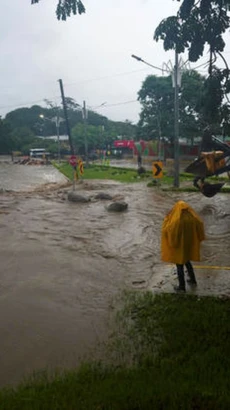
(158, 112)
(176, 77)
(176, 73)
(57, 120)
(145, 62)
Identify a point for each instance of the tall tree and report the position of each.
(22, 136)
(26, 123)
(26, 117)
(6, 141)
(157, 99)
(65, 8)
(201, 23)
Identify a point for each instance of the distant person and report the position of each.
(182, 233)
(139, 160)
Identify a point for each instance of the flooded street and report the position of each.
(62, 263)
(19, 178)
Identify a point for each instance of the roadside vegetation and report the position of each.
(166, 352)
(115, 173)
(103, 172)
(130, 175)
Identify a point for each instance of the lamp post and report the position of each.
(57, 120)
(158, 111)
(176, 72)
(85, 117)
(176, 125)
(176, 80)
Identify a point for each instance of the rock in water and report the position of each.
(75, 197)
(103, 196)
(117, 207)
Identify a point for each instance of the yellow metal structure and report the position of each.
(212, 161)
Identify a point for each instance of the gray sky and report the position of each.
(91, 53)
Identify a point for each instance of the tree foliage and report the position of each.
(197, 23)
(65, 8)
(19, 129)
(157, 99)
(5, 137)
(201, 23)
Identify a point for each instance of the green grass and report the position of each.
(178, 350)
(116, 173)
(130, 176)
(104, 172)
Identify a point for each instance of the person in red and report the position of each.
(182, 234)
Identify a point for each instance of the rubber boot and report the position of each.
(180, 275)
(191, 274)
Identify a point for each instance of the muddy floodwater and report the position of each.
(62, 265)
(20, 177)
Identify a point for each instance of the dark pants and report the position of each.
(180, 274)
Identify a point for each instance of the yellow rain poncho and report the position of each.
(182, 232)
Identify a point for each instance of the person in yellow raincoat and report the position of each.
(182, 233)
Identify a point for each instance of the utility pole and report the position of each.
(58, 137)
(66, 117)
(57, 120)
(159, 131)
(176, 76)
(176, 125)
(85, 115)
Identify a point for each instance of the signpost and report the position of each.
(78, 168)
(73, 163)
(81, 167)
(157, 169)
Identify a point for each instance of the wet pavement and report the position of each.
(62, 265)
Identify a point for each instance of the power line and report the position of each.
(91, 80)
(77, 82)
(106, 77)
(201, 65)
(23, 104)
(90, 107)
(98, 79)
(117, 104)
(69, 84)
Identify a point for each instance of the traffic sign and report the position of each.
(73, 161)
(157, 169)
(81, 167)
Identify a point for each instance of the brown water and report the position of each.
(20, 177)
(62, 265)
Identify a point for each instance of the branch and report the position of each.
(225, 62)
(227, 68)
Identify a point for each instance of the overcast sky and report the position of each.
(91, 53)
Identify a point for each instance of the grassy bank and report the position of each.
(130, 176)
(116, 174)
(178, 350)
(103, 172)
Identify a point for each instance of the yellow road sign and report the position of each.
(81, 167)
(157, 169)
